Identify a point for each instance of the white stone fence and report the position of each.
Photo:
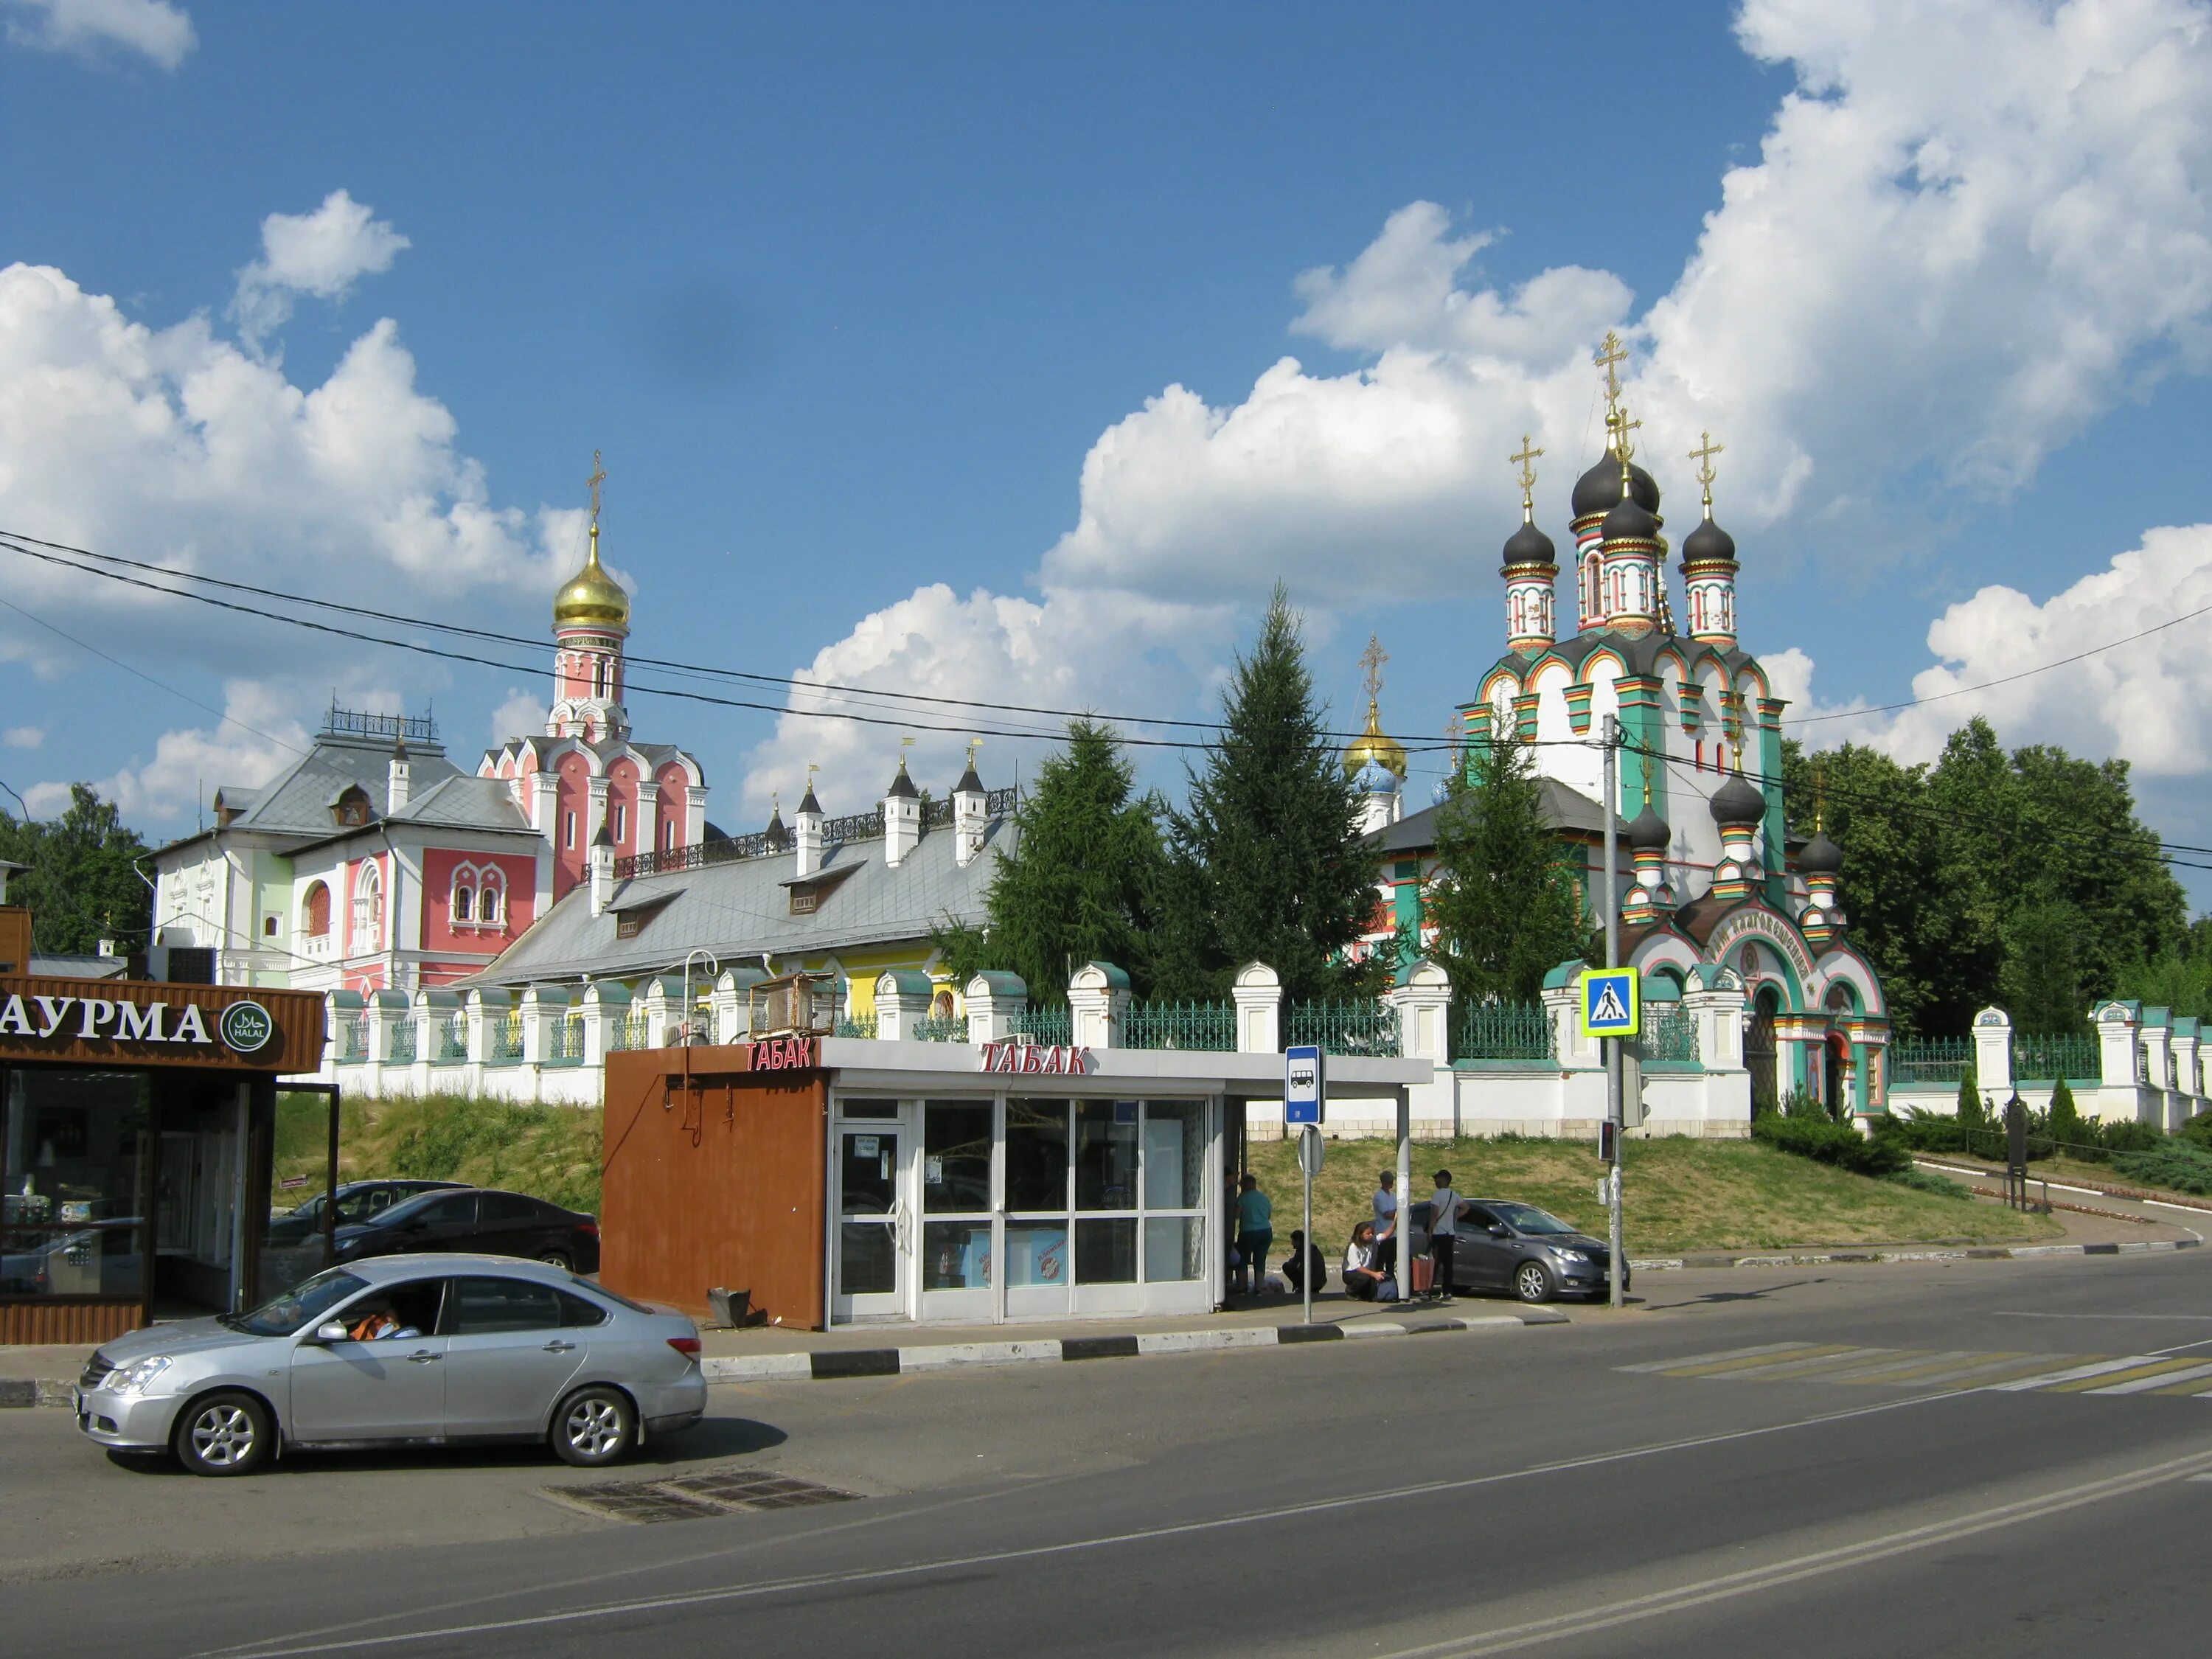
(2138, 1065)
(549, 1044)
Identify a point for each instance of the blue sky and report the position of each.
(859, 299)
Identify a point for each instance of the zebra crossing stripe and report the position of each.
(1725, 1354)
(2152, 1368)
(1821, 1367)
(1995, 1368)
(2072, 1373)
(1905, 1362)
(1805, 1351)
(2188, 1381)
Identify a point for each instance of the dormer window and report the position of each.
(351, 809)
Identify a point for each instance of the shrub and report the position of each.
(1927, 1181)
(2178, 1164)
(1838, 1143)
(1971, 1115)
(2198, 1131)
(2127, 1136)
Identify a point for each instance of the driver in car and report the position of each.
(382, 1326)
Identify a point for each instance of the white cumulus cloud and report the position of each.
(2144, 701)
(88, 28)
(522, 715)
(23, 737)
(1064, 652)
(322, 254)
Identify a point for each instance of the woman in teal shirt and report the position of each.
(1255, 1233)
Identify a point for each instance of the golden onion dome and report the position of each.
(1374, 745)
(591, 598)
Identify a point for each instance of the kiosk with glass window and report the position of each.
(853, 1181)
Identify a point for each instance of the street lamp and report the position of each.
(690, 1036)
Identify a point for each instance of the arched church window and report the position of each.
(491, 898)
(465, 898)
(367, 907)
(315, 912)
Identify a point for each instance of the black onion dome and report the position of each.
(1735, 803)
(1630, 520)
(1530, 546)
(1708, 543)
(1598, 488)
(1649, 831)
(1819, 856)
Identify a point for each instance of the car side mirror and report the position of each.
(331, 1330)
(1500, 1230)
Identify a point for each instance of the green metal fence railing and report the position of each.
(452, 1038)
(1201, 1027)
(2045, 1058)
(1503, 1030)
(856, 1025)
(506, 1046)
(1346, 1026)
(353, 1037)
(1670, 1034)
(939, 1028)
(564, 1041)
(1930, 1059)
(1052, 1025)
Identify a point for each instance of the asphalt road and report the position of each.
(1812, 1462)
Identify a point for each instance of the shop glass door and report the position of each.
(870, 1251)
(1037, 1205)
(957, 1250)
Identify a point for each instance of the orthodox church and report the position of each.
(1711, 881)
(372, 862)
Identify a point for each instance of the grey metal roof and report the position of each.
(1564, 809)
(465, 803)
(77, 967)
(741, 910)
(299, 798)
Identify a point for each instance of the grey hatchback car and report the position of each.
(1501, 1245)
(397, 1350)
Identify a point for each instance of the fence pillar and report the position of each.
(903, 997)
(1993, 1054)
(995, 1002)
(433, 1010)
(485, 1008)
(1715, 998)
(2156, 1038)
(1098, 1004)
(544, 1010)
(664, 1010)
(1575, 1052)
(1258, 991)
(2187, 1077)
(1422, 998)
(606, 1005)
(2117, 1067)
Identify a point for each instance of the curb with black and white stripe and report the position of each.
(1993, 1253)
(821, 1364)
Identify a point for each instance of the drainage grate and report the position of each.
(696, 1497)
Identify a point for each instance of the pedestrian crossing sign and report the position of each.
(1610, 1004)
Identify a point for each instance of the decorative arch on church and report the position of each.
(315, 910)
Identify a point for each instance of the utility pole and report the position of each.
(1612, 1111)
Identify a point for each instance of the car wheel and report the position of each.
(225, 1433)
(594, 1426)
(1532, 1282)
(556, 1259)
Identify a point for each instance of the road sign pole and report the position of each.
(1305, 1261)
(1612, 815)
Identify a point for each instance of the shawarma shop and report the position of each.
(137, 1128)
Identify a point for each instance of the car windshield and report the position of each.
(399, 1212)
(1528, 1218)
(301, 1305)
(314, 1206)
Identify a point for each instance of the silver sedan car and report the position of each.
(402, 1350)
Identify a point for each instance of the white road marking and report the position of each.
(2074, 1373)
(2143, 1384)
(1710, 1358)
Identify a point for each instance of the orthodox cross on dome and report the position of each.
(1702, 455)
(1646, 753)
(1609, 357)
(1372, 659)
(599, 476)
(1820, 794)
(1526, 461)
(974, 744)
(1618, 426)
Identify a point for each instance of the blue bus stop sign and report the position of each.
(1304, 1095)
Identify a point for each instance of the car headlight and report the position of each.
(1568, 1255)
(134, 1378)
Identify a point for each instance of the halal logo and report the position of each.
(245, 1027)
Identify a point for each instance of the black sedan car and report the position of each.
(1501, 1245)
(358, 1201)
(479, 1224)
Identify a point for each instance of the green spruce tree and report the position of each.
(2065, 1119)
(1078, 884)
(1505, 902)
(1266, 861)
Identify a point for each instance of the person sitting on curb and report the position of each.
(1363, 1275)
(1303, 1259)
